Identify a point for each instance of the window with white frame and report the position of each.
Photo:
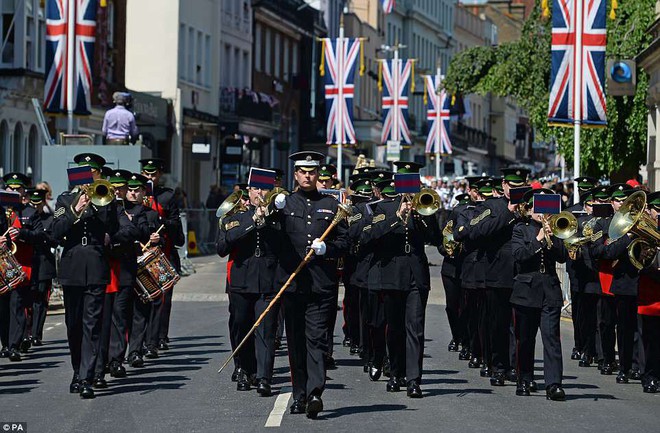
(257, 48)
(190, 76)
(294, 58)
(278, 58)
(182, 52)
(199, 63)
(285, 60)
(207, 60)
(268, 67)
(7, 27)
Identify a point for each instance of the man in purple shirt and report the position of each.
(119, 123)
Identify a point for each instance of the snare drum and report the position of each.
(11, 272)
(155, 275)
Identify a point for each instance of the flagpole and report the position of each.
(577, 95)
(438, 117)
(340, 95)
(70, 56)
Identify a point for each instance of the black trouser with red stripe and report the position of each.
(40, 298)
(19, 301)
(106, 328)
(121, 321)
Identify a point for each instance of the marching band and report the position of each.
(288, 251)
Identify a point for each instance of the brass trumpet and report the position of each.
(100, 193)
(426, 202)
(449, 244)
(562, 225)
(574, 243)
(270, 195)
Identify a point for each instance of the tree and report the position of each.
(521, 69)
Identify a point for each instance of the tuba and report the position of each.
(426, 202)
(100, 193)
(448, 243)
(632, 217)
(231, 205)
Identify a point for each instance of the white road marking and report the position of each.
(58, 323)
(49, 328)
(281, 403)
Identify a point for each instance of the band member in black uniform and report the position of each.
(279, 182)
(537, 299)
(327, 180)
(43, 265)
(255, 241)
(400, 270)
(649, 311)
(473, 277)
(84, 230)
(5, 241)
(451, 279)
(123, 249)
(145, 322)
(23, 234)
(585, 287)
(493, 228)
(118, 179)
(624, 288)
(309, 303)
(584, 184)
(356, 268)
(163, 202)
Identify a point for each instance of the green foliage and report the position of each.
(521, 69)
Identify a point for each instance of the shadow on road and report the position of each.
(353, 410)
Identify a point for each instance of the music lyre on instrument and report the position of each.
(342, 212)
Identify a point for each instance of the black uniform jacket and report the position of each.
(305, 216)
(164, 198)
(625, 276)
(583, 271)
(124, 242)
(398, 249)
(84, 259)
(3, 221)
(492, 229)
(531, 286)
(43, 261)
(356, 262)
(473, 268)
(254, 251)
(451, 266)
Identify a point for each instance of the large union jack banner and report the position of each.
(388, 6)
(396, 73)
(437, 115)
(578, 94)
(340, 58)
(57, 52)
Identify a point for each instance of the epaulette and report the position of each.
(354, 218)
(476, 220)
(378, 218)
(231, 225)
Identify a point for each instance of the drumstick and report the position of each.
(144, 247)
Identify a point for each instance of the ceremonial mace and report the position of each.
(342, 212)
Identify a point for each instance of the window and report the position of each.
(41, 39)
(199, 64)
(182, 51)
(190, 76)
(207, 60)
(227, 65)
(294, 58)
(278, 58)
(285, 70)
(268, 67)
(7, 55)
(238, 68)
(245, 76)
(257, 47)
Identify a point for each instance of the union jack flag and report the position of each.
(340, 56)
(396, 74)
(57, 52)
(438, 116)
(388, 6)
(569, 16)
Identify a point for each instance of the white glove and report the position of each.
(280, 201)
(319, 247)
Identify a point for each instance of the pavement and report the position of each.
(182, 392)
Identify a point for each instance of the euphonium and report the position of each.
(231, 205)
(100, 193)
(574, 243)
(426, 202)
(450, 245)
(270, 195)
(641, 253)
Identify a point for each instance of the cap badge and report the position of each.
(87, 158)
(518, 172)
(308, 158)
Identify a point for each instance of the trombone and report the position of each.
(100, 193)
